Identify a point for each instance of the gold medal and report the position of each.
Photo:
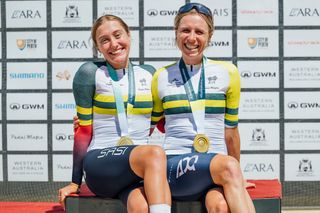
(201, 143)
(124, 141)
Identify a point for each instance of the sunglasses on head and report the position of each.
(198, 7)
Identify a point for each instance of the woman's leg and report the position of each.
(225, 171)
(216, 202)
(150, 163)
(137, 201)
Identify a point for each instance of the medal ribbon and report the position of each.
(197, 102)
(121, 113)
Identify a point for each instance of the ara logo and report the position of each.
(73, 44)
(26, 14)
(311, 12)
(186, 164)
(259, 167)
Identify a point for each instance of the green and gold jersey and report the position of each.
(93, 93)
(222, 95)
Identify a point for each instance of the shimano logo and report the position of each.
(27, 75)
(65, 106)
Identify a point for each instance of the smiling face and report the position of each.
(113, 41)
(192, 36)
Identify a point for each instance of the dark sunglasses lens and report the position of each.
(186, 8)
(200, 8)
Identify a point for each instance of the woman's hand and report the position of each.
(75, 123)
(249, 185)
(67, 190)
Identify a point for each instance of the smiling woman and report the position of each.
(114, 104)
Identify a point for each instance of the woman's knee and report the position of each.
(155, 155)
(226, 168)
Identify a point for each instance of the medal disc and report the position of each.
(124, 141)
(201, 143)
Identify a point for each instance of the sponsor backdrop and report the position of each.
(274, 43)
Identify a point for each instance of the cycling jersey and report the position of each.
(222, 94)
(95, 101)
(96, 109)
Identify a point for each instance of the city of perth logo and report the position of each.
(21, 43)
(260, 42)
(252, 42)
(26, 43)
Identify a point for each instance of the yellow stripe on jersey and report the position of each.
(108, 98)
(104, 111)
(84, 111)
(215, 103)
(231, 117)
(174, 104)
(143, 97)
(85, 122)
(140, 111)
